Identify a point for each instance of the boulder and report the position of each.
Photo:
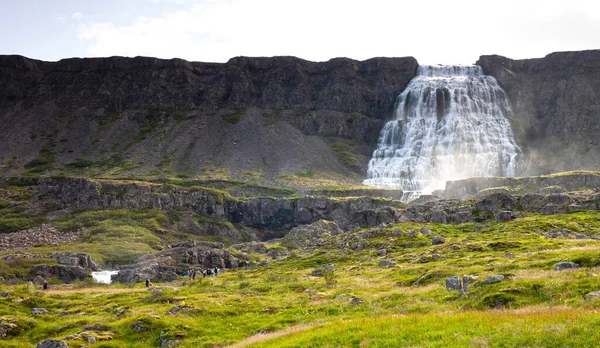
(436, 240)
(382, 252)
(426, 232)
(453, 283)
(319, 272)
(493, 279)
(412, 233)
(355, 301)
(565, 265)
(594, 295)
(466, 280)
(38, 280)
(505, 215)
(497, 202)
(138, 326)
(52, 344)
(386, 263)
(39, 311)
(76, 259)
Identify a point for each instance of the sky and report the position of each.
(434, 32)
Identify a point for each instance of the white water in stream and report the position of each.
(103, 276)
(450, 123)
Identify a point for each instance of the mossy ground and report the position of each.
(403, 305)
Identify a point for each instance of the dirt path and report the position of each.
(261, 338)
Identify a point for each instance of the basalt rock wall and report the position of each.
(556, 103)
(262, 213)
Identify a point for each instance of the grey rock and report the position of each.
(39, 311)
(426, 232)
(52, 344)
(565, 265)
(509, 255)
(91, 339)
(5, 293)
(505, 215)
(466, 280)
(382, 252)
(355, 301)
(320, 271)
(436, 240)
(386, 263)
(164, 343)
(453, 283)
(65, 273)
(493, 279)
(177, 309)
(138, 326)
(594, 295)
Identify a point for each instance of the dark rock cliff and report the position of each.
(249, 114)
(117, 83)
(556, 103)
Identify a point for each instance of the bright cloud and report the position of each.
(433, 32)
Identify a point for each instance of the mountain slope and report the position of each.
(265, 116)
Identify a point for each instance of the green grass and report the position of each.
(14, 212)
(44, 162)
(349, 155)
(234, 116)
(536, 328)
(405, 305)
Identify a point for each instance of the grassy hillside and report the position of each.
(359, 303)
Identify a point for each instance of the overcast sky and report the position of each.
(445, 32)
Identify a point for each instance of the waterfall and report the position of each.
(450, 123)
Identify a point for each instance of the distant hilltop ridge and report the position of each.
(280, 115)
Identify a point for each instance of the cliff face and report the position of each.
(556, 103)
(144, 114)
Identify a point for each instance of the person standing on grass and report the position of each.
(45, 285)
(147, 282)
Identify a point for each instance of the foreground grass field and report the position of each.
(531, 327)
(359, 304)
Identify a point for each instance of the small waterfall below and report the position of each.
(450, 123)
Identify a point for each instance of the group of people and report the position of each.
(206, 272)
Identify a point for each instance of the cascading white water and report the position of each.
(450, 123)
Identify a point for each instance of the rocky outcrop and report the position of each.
(556, 101)
(264, 213)
(165, 265)
(69, 268)
(568, 181)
